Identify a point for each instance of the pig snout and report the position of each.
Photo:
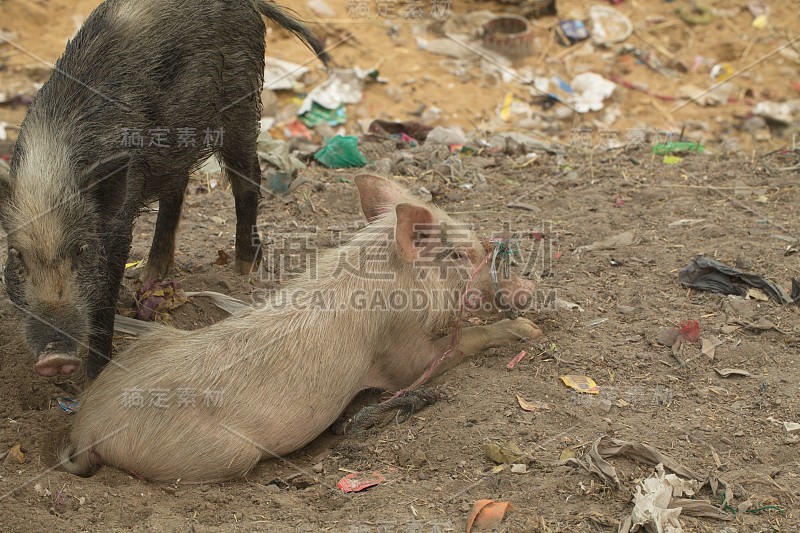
(53, 337)
(518, 296)
(51, 362)
(512, 298)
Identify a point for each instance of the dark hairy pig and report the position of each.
(145, 91)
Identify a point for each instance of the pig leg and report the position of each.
(239, 157)
(471, 341)
(102, 316)
(475, 339)
(162, 252)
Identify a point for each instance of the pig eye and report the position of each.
(82, 248)
(458, 255)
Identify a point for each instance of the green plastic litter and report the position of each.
(318, 114)
(678, 146)
(341, 152)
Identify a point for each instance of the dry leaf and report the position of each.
(581, 384)
(566, 453)
(728, 372)
(506, 454)
(756, 294)
(532, 406)
(15, 455)
(710, 346)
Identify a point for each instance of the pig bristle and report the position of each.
(241, 356)
(78, 464)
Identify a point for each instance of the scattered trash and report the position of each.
(448, 136)
(321, 8)
(321, 115)
(358, 481)
(68, 405)
(519, 469)
(721, 72)
(728, 372)
(517, 358)
(609, 25)
(509, 35)
(689, 331)
(681, 147)
(343, 86)
(532, 407)
(505, 454)
(756, 294)
(710, 275)
(276, 153)
(626, 238)
(155, 299)
(659, 502)
(697, 14)
(581, 384)
(685, 222)
(564, 304)
(341, 152)
(672, 159)
(784, 113)
(791, 427)
(282, 75)
(415, 130)
(590, 91)
(709, 347)
(572, 31)
(487, 514)
(227, 303)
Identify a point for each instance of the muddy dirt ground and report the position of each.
(742, 211)
(739, 209)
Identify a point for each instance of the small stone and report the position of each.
(519, 469)
(420, 458)
(604, 405)
(625, 309)
(318, 468)
(791, 427)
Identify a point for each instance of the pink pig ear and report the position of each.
(414, 230)
(378, 195)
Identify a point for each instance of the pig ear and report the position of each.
(378, 195)
(415, 224)
(107, 181)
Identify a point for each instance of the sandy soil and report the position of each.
(713, 425)
(742, 210)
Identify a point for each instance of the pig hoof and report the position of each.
(521, 328)
(52, 364)
(152, 272)
(406, 405)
